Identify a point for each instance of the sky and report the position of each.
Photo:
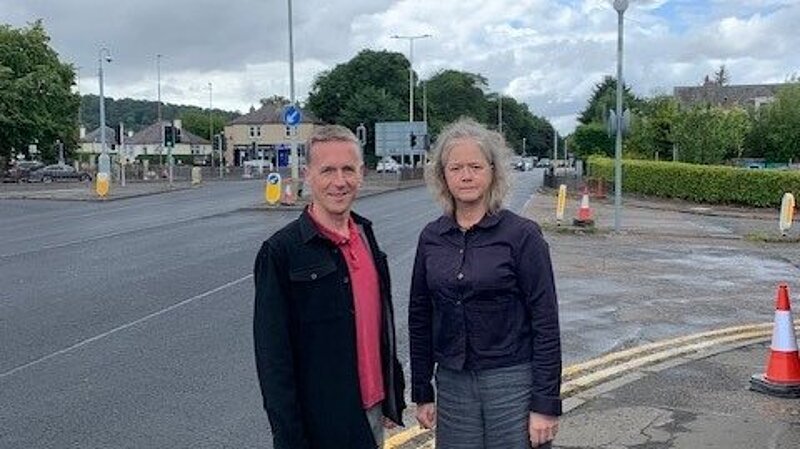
(546, 53)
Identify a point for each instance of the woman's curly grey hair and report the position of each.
(493, 147)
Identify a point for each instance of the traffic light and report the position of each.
(177, 134)
(168, 135)
(413, 139)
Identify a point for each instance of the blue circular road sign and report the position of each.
(292, 115)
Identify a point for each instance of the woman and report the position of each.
(483, 306)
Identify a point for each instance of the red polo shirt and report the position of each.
(367, 303)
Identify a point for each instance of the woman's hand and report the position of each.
(426, 415)
(541, 428)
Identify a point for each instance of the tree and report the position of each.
(382, 70)
(721, 76)
(275, 100)
(604, 98)
(36, 100)
(651, 131)
(709, 135)
(591, 139)
(453, 94)
(367, 106)
(519, 122)
(783, 125)
(197, 123)
(139, 114)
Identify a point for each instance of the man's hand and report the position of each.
(541, 428)
(426, 415)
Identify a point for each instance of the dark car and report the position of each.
(21, 171)
(58, 173)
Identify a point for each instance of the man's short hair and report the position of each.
(331, 133)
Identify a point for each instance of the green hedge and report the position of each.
(700, 183)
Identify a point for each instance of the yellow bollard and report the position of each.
(272, 189)
(562, 203)
(787, 213)
(102, 184)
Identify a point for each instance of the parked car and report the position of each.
(543, 162)
(21, 171)
(58, 172)
(254, 164)
(387, 165)
(523, 166)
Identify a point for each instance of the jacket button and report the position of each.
(346, 279)
(460, 276)
(313, 276)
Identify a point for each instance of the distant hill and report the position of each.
(136, 114)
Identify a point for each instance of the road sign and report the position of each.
(273, 189)
(292, 115)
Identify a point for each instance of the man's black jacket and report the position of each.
(305, 341)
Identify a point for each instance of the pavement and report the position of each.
(85, 191)
(685, 392)
(699, 400)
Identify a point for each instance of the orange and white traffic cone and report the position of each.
(585, 215)
(783, 363)
(287, 199)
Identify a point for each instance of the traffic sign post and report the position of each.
(292, 117)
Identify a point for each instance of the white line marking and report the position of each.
(123, 327)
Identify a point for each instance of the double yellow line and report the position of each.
(582, 376)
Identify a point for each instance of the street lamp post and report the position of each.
(411, 40)
(292, 99)
(620, 6)
(211, 124)
(160, 119)
(104, 161)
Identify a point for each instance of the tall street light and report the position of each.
(104, 163)
(411, 40)
(160, 120)
(295, 161)
(620, 6)
(211, 124)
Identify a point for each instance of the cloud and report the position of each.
(546, 53)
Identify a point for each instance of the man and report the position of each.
(323, 326)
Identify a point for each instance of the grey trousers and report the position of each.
(483, 409)
(375, 419)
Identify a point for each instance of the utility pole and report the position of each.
(104, 161)
(424, 101)
(211, 126)
(293, 153)
(410, 40)
(620, 6)
(160, 119)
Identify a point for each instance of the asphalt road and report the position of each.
(128, 324)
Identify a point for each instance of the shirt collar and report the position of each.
(309, 230)
(331, 234)
(448, 223)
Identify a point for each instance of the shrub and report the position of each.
(700, 183)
